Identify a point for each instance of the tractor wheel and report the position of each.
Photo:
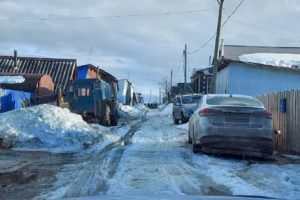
(107, 121)
(114, 119)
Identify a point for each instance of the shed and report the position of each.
(126, 92)
(35, 89)
(238, 77)
(60, 70)
(39, 84)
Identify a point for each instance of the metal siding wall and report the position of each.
(257, 81)
(222, 81)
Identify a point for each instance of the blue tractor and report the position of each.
(93, 100)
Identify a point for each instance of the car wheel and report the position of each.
(189, 139)
(195, 148)
(176, 121)
(183, 119)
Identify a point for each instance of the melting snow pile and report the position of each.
(167, 110)
(11, 79)
(46, 127)
(134, 111)
(184, 127)
(283, 60)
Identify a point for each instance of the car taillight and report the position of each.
(264, 114)
(208, 112)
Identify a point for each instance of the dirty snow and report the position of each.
(283, 60)
(184, 127)
(293, 157)
(48, 128)
(158, 161)
(11, 79)
(167, 109)
(133, 111)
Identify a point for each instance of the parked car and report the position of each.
(184, 106)
(231, 124)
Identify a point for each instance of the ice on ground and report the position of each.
(293, 157)
(279, 181)
(109, 136)
(11, 79)
(48, 128)
(152, 164)
(133, 111)
(283, 60)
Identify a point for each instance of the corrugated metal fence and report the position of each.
(288, 141)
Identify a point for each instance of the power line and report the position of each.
(214, 35)
(109, 16)
(179, 65)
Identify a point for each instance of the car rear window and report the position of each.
(191, 99)
(233, 101)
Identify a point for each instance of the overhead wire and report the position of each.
(214, 35)
(108, 16)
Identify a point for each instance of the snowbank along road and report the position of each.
(150, 156)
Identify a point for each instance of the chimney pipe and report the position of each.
(15, 60)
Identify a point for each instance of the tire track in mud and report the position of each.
(89, 176)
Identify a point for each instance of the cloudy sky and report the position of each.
(134, 38)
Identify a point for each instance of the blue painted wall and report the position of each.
(239, 78)
(82, 72)
(13, 99)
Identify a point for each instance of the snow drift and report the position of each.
(283, 60)
(47, 127)
(133, 111)
(167, 109)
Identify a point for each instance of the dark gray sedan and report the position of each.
(231, 124)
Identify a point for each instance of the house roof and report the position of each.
(233, 52)
(203, 70)
(101, 71)
(225, 62)
(60, 70)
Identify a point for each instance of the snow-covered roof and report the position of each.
(11, 79)
(282, 60)
(233, 52)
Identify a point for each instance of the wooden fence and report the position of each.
(288, 141)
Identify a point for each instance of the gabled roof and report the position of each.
(233, 52)
(101, 71)
(60, 70)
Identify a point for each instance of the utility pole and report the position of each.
(171, 78)
(159, 96)
(217, 46)
(185, 62)
(150, 96)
